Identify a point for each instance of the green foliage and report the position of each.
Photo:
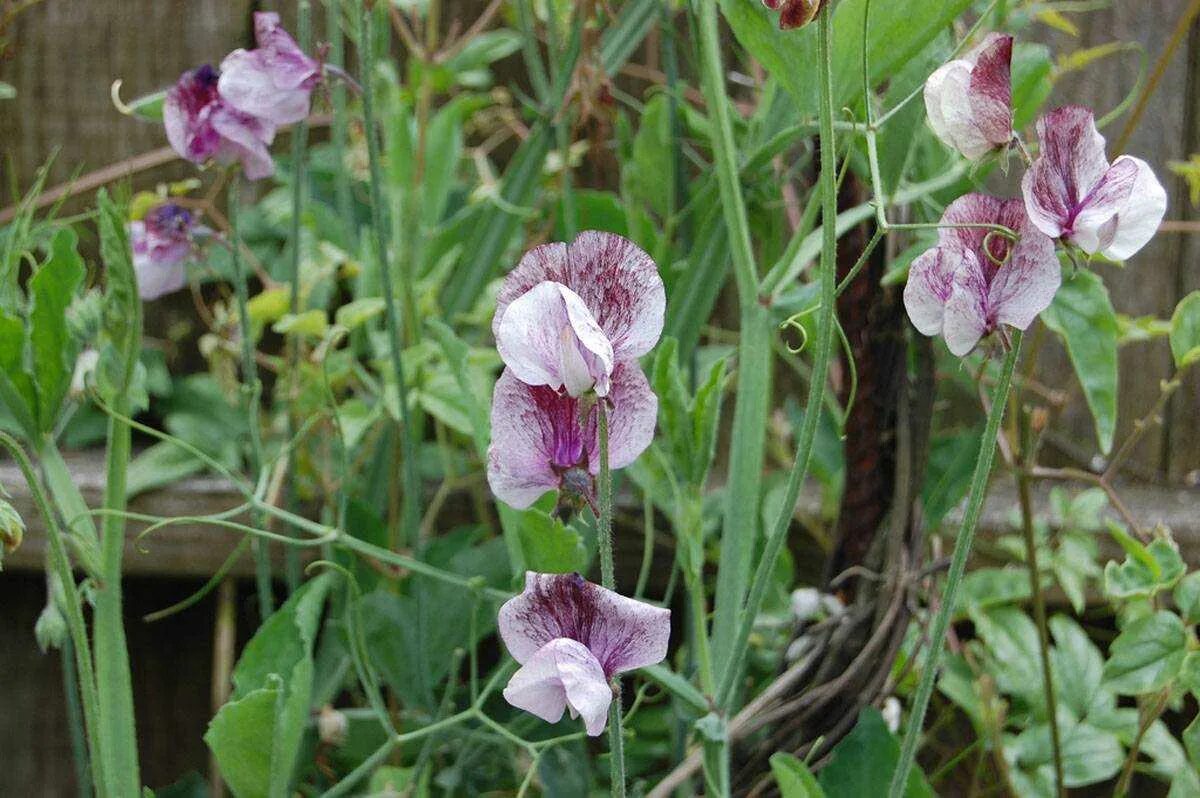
(794, 778)
(863, 762)
(1185, 331)
(1147, 654)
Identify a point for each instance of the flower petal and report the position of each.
(947, 101)
(632, 415)
(623, 634)
(527, 424)
(1070, 163)
(618, 282)
(549, 337)
(930, 280)
(990, 92)
(1102, 203)
(1138, 221)
(248, 84)
(245, 139)
(561, 674)
(1025, 285)
(966, 310)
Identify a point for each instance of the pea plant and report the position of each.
(605, 376)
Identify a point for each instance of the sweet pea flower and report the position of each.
(201, 126)
(162, 244)
(976, 280)
(571, 637)
(969, 100)
(275, 80)
(543, 440)
(795, 13)
(1072, 191)
(568, 315)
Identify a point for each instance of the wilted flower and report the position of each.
(566, 316)
(976, 279)
(543, 440)
(274, 81)
(571, 637)
(203, 127)
(969, 100)
(162, 244)
(1072, 191)
(795, 13)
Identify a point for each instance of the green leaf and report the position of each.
(863, 762)
(1138, 575)
(1078, 668)
(122, 324)
(161, 464)
(360, 311)
(148, 107)
(239, 738)
(1185, 330)
(1090, 754)
(648, 173)
(949, 476)
(549, 546)
(1191, 742)
(1147, 654)
(794, 778)
(1189, 673)
(17, 391)
(677, 686)
(993, 587)
(1187, 597)
(53, 351)
(1012, 646)
(309, 324)
(1083, 317)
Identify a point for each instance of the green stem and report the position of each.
(71, 505)
(958, 566)
(337, 95)
(250, 389)
(72, 608)
(616, 738)
(740, 529)
(826, 321)
(410, 515)
(299, 143)
(79, 745)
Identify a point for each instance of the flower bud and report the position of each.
(332, 726)
(12, 528)
(795, 13)
(51, 627)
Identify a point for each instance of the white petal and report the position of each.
(562, 674)
(929, 282)
(1138, 221)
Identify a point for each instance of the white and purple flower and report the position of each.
(571, 637)
(969, 100)
(568, 315)
(795, 13)
(543, 440)
(274, 81)
(201, 126)
(976, 280)
(162, 243)
(1072, 192)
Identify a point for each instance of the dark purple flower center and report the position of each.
(169, 221)
(197, 89)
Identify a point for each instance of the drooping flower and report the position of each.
(1073, 192)
(162, 244)
(976, 279)
(795, 13)
(571, 637)
(201, 126)
(543, 440)
(969, 100)
(568, 315)
(275, 80)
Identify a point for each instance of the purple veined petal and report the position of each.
(535, 434)
(186, 112)
(967, 308)
(617, 281)
(1138, 221)
(291, 67)
(622, 633)
(930, 279)
(245, 139)
(1071, 162)
(949, 107)
(549, 337)
(562, 674)
(990, 92)
(1101, 204)
(1025, 285)
(249, 85)
(632, 415)
(971, 209)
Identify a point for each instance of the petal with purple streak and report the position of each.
(274, 81)
(617, 281)
(1025, 285)
(549, 337)
(990, 93)
(930, 279)
(535, 434)
(1102, 203)
(562, 674)
(966, 309)
(1071, 161)
(632, 414)
(623, 634)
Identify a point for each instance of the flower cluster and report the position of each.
(571, 321)
(995, 263)
(231, 115)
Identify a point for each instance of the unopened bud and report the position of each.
(332, 726)
(51, 628)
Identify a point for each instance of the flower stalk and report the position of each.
(616, 740)
(958, 566)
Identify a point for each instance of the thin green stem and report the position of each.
(250, 389)
(826, 321)
(616, 738)
(337, 96)
(71, 606)
(410, 515)
(958, 566)
(75, 722)
(647, 544)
